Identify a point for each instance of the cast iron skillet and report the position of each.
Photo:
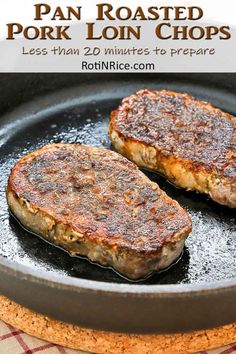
(198, 292)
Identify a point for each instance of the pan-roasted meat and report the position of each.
(191, 142)
(96, 203)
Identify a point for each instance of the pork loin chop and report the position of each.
(191, 142)
(94, 202)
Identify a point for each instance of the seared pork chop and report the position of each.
(94, 202)
(191, 142)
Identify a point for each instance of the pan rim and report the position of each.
(78, 284)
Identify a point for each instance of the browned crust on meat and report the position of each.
(95, 196)
(184, 136)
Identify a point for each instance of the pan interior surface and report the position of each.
(80, 115)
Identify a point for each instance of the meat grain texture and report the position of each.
(94, 202)
(191, 142)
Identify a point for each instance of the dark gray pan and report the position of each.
(196, 293)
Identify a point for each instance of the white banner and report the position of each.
(117, 36)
